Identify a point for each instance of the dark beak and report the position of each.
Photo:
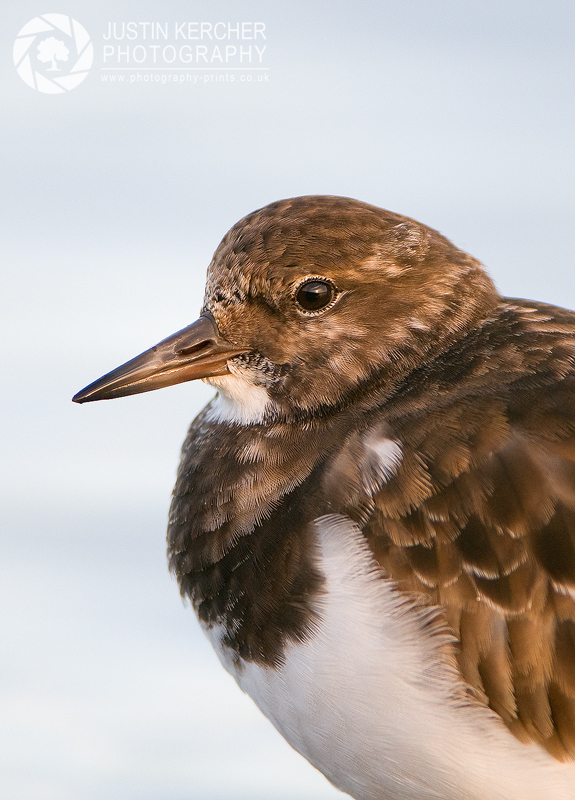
(197, 351)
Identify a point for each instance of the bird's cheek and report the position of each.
(262, 336)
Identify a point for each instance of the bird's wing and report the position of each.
(472, 507)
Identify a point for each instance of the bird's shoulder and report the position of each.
(464, 487)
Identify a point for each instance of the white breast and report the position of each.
(371, 702)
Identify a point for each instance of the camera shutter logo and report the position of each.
(53, 53)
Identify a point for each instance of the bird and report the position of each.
(374, 517)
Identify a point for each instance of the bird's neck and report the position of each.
(239, 532)
(239, 529)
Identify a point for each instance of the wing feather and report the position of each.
(478, 518)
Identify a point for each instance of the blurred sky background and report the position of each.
(114, 196)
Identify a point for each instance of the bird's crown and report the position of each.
(329, 293)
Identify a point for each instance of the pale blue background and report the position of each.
(460, 114)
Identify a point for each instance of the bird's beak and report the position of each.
(197, 351)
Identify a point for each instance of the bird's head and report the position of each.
(310, 301)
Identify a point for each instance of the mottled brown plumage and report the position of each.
(472, 517)
(480, 517)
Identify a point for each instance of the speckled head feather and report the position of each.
(402, 293)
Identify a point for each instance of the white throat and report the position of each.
(238, 400)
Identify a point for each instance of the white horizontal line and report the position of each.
(188, 69)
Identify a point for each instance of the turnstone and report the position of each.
(374, 518)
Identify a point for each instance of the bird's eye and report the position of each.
(314, 295)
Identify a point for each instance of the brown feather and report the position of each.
(476, 519)
(514, 538)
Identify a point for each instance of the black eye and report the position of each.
(315, 295)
